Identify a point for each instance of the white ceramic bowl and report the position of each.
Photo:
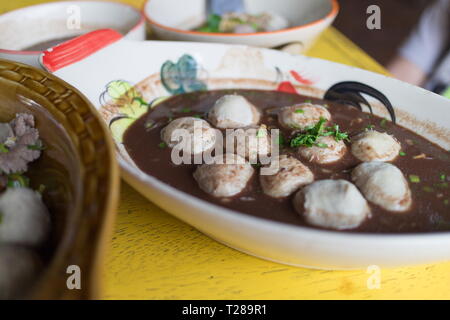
(221, 66)
(174, 20)
(26, 27)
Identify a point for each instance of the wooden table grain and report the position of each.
(156, 256)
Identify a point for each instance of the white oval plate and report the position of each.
(110, 66)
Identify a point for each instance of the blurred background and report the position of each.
(398, 18)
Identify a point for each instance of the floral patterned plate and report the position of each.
(124, 79)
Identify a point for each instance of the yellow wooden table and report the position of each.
(155, 256)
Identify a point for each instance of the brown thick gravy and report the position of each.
(431, 208)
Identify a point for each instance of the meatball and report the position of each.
(328, 150)
(302, 116)
(291, 174)
(375, 146)
(383, 184)
(233, 111)
(201, 137)
(226, 177)
(18, 267)
(24, 217)
(335, 204)
(252, 142)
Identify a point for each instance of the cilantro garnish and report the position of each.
(309, 138)
(261, 132)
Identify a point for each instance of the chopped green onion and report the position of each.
(441, 185)
(198, 116)
(370, 127)
(299, 111)
(37, 146)
(17, 181)
(321, 145)
(414, 178)
(428, 189)
(443, 177)
(446, 202)
(162, 145)
(3, 148)
(383, 122)
(212, 24)
(185, 110)
(308, 101)
(402, 153)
